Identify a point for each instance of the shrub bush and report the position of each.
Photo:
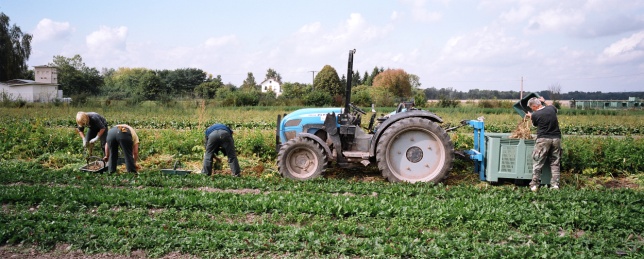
(317, 98)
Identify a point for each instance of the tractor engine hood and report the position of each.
(306, 120)
(310, 114)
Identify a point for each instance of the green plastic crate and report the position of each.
(511, 158)
(521, 107)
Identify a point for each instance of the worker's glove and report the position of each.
(84, 142)
(93, 140)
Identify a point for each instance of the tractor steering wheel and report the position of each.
(355, 108)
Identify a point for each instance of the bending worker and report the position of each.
(97, 129)
(220, 137)
(123, 136)
(548, 143)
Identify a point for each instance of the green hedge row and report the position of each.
(616, 156)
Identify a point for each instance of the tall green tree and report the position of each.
(74, 77)
(365, 78)
(343, 81)
(15, 49)
(318, 97)
(327, 80)
(182, 81)
(150, 86)
(414, 81)
(123, 82)
(419, 98)
(355, 79)
(209, 88)
(373, 75)
(249, 83)
(295, 90)
(361, 96)
(271, 73)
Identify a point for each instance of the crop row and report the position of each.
(620, 123)
(152, 123)
(62, 146)
(310, 218)
(567, 129)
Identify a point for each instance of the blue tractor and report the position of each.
(408, 145)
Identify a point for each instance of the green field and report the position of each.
(47, 203)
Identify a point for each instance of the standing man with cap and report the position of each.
(97, 129)
(548, 143)
(220, 137)
(123, 136)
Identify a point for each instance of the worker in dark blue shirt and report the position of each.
(219, 137)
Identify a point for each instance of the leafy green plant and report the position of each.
(322, 218)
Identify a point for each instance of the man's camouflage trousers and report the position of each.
(546, 149)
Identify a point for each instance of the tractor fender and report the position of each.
(396, 117)
(318, 140)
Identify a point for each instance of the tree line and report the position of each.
(384, 87)
(551, 93)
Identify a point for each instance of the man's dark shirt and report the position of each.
(546, 122)
(96, 122)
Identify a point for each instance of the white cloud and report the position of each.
(357, 28)
(626, 49)
(419, 11)
(489, 46)
(579, 18)
(107, 39)
(310, 28)
(52, 30)
(355, 20)
(556, 20)
(424, 15)
(316, 40)
(221, 41)
(394, 16)
(518, 15)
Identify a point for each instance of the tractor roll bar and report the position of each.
(347, 92)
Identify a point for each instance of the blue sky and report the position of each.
(581, 45)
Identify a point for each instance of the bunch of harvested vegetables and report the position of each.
(523, 130)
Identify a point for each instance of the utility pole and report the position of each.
(521, 96)
(313, 79)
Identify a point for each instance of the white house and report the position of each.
(271, 84)
(46, 74)
(43, 89)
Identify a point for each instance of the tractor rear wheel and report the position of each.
(301, 159)
(415, 150)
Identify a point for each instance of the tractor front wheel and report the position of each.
(301, 159)
(415, 150)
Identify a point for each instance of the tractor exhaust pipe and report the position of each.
(347, 93)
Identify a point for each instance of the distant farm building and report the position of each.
(271, 84)
(632, 103)
(43, 89)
